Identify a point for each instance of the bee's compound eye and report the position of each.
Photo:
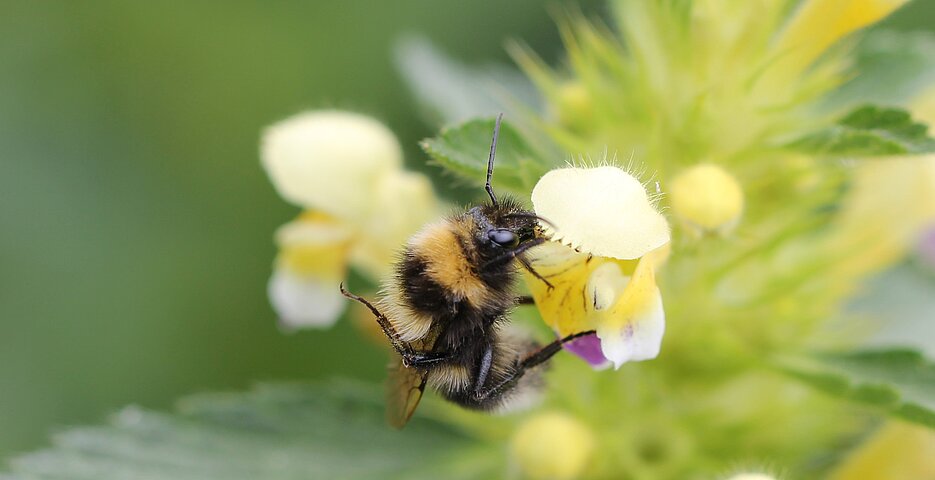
(504, 238)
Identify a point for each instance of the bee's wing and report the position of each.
(404, 388)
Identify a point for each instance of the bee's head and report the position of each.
(503, 227)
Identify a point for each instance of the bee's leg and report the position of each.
(538, 357)
(411, 358)
(424, 359)
(516, 252)
(401, 347)
(484, 369)
(525, 300)
(533, 271)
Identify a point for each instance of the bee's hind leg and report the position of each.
(540, 356)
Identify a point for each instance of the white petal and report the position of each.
(604, 285)
(330, 160)
(638, 340)
(604, 211)
(305, 301)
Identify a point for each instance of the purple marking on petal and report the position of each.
(926, 247)
(588, 348)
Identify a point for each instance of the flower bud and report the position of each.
(575, 105)
(552, 445)
(707, 197)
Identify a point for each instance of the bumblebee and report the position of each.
(445, 309)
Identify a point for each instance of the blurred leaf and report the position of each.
(892, 67)
(464, 150)
(899, 381)
(333, 430)
(454, 92)
(869, 131)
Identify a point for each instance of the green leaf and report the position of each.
(464, 149)
(452, 91)
(901, 382)
(333, 430)
(869, 131)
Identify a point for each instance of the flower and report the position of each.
(552, 445)
(608, 241)
(708, 95)
(345, 170)
(897, 451)
(818, 24)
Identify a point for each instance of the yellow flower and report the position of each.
(609, 239)
(552, 445)
(819, 24)
(899, 451)
(345, 170)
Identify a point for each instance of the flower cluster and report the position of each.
(761, 216)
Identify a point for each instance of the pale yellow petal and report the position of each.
(403, 203)
(330, 160)
(314, 244)
(604, 211)
(889, 204)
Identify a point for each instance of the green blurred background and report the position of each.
(135, 221)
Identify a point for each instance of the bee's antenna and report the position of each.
(493, 153)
